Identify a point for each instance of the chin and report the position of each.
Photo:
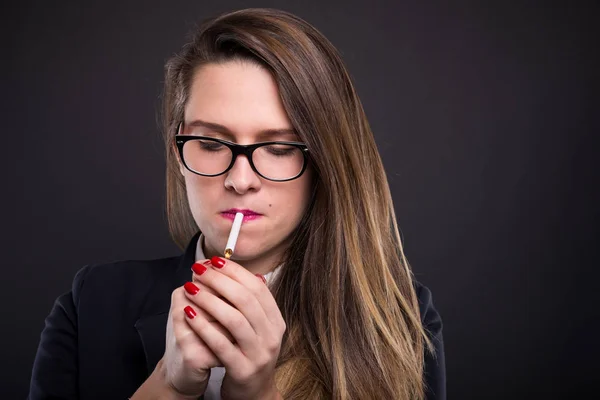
(243, 252)
(240, 254)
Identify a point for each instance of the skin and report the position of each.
(244, 98)
(237, 324)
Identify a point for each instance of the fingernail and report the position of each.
(217, 262)
(191, 288)
(262, 278)
(207, 262)
(189, 311)
(198, 269)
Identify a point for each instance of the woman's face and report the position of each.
(243, 98)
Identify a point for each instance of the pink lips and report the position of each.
(249, 215)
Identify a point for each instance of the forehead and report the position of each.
(239, 95)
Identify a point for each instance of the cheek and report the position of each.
(305, 187)
(201, 192)
(295, 199)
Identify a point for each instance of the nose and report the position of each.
(241, 177)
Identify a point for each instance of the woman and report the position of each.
(340, 315)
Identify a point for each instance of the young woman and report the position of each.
(318, 300)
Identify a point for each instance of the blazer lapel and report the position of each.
(152, 323)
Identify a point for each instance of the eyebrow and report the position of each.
(262, 134)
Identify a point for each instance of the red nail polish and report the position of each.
(207, 262)
(191, 288)
(262, 278)
(217, 262)
(198, 269)
(189, 311)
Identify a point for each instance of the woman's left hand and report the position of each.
(244, 306)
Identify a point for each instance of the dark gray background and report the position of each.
(485, 114)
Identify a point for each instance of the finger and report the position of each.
(198, 268)
(255, 285)
(194, 313)
(240, 297)
(183, 339)
(183, 301)
(202, 286)
(229, 317)
(219, 342)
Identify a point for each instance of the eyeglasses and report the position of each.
(275, 161)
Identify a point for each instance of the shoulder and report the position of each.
(429, 314)
(122, 276)
(127, 267)
(435, 364)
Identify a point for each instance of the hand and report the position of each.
(249, 345)
(187, 361)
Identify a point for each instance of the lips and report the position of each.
(246, 212)
(249, 215)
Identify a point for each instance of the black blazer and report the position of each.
(103, 338)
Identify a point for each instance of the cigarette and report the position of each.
(233, 235)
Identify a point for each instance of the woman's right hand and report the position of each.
(187, 360)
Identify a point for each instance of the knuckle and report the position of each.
(258, 287)
(189, 361)
(174, 294)
(279, 328)
(262, 362)
(180, 339)
(175, 319)
(261, 289)
(272, 346)
(242, 297)
(236, 322)
(220, 345)
(246, 374)
(282, 326)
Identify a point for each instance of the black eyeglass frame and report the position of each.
(236, 150)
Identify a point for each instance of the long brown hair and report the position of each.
(346, 289)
